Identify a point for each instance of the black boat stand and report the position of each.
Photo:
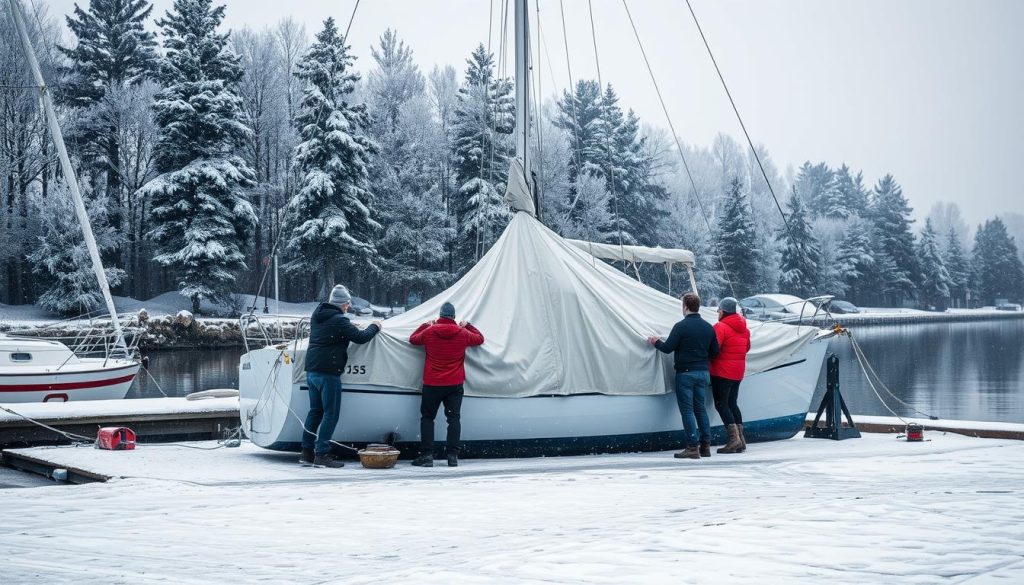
(834, 407)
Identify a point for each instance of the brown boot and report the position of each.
(705, 449)
(743, 440)
(688, 453)
(734, 445)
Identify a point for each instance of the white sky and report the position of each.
(929, 90)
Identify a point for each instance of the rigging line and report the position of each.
(490, 25)
(608, 132)
(575, 120)
(679, 147)
(351, 18)
(746, 134)
(538, 94)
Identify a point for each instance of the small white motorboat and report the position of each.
(40, 370)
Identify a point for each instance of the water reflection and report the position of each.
(183, 371)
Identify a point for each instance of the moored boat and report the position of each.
(39, 370)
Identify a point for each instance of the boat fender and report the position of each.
(214, 393)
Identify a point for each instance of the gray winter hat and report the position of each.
(728, 305)
(340, 295)
(448, 311)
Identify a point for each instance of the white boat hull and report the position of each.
(97, 379)
(774, 405)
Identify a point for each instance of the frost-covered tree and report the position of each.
(737, 242)
(395, 80)
(816, 183)
(62, 257)
(890, 214)
(581, 117)
(331, 219)
(855, 261)
(958, 267)
(593, 220)
(999, 272)
(848, 196)
(484, 121)
(800, 254)
(201, 216)
(935, 280)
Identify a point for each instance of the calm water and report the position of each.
(970, 371)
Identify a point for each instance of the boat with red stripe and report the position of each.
(40, 370)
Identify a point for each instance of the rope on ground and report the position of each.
(74, 438)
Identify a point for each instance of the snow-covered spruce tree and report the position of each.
(999, 272)
(815, 183)
(935, 280)
(579, 116)
(593, 220)
(958, 267)
(62, 257)
(855, 261)
(201, 217)
(484, 121)
(330, 221)
(890, 214)
(847, 197)
(737, 242)
(800, 255)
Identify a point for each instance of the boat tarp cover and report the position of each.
(556, 321)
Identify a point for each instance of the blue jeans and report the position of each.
(324, 410)
(691, 388)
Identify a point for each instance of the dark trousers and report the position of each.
(324, 410)
(726, 392)
(433, 396)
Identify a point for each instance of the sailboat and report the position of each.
(565, 368)
(38, 370)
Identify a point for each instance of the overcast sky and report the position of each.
(929, 90)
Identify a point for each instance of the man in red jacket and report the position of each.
(727, 369)
(443, 375)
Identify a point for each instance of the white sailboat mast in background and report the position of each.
(69, 172)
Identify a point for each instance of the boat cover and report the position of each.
(635, 253)
(556, 321)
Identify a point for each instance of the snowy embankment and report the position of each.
(885, 316)
(871, 510)
(168, 322)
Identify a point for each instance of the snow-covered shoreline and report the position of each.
(874, 510)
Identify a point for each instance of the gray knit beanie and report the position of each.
(448, 311)
(728, 305)
(340, 295)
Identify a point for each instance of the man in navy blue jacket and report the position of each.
(330, 332)
(694, 343)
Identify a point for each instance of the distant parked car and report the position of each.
(360, 306)
(772, 307)
(842, 307)
(1005, 305)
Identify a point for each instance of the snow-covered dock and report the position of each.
(970, 428)
(873, 510)
(151, 418)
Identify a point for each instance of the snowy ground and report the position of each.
(873, 510)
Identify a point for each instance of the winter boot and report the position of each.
(453, 460)
(688, 453)
(306, 457)
(327, 460)
(425, 460)
(705, 449)
(734, 445)
(743, 440)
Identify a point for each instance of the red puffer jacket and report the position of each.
(446, 343)
(734, 340)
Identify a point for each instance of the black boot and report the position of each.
(453, 460)
(705, 449)
(327, 460)
(425, 460)
(306, 457)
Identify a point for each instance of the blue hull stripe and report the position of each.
(774, 429)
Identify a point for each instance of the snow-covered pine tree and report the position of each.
(62, 257)
(737, 242)
(815, 183)
(998, 267)
(890, 214)
(580, 117)
(594, 221)
(855, 261)
(201, 217)
(958, 268)
(330, 220)
(800, 254)
(935, 280)
(484, 121)
(847, 197)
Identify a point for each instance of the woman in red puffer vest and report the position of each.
(727, 371)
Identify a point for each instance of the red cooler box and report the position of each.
(115, 438)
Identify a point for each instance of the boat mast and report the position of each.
(522, 131)
(69, 172)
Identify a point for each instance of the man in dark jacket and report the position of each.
(694, 342)
(330, 332)
(443, 376)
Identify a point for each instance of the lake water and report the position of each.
(968, 371)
